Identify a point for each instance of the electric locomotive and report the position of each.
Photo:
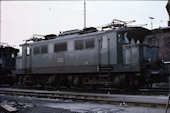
(111, 57)
(7, 63)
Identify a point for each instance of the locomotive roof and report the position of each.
(140, 31)
(8, 48)
(65, 37)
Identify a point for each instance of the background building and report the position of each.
(161, 37)
(168, 9)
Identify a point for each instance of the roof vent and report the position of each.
(70, 32)
(50, 36)
(88, 30)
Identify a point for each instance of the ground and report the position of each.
(40, 105)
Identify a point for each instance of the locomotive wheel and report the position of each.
(77, 82)
(126, 82)
(148, 83)
(134, 82)
(56, 83)
(121, 81)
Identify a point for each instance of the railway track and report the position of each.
(135, 100)
(142, 91)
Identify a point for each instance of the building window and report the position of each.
(168, 44)
(79, 44)
(36, 50)
(89, 43)
(60, 47)
(44, 49)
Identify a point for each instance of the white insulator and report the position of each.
(126, 41)
(132, 41)
(38, 36)
(138, 42)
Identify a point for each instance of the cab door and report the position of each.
(26, 59)
(104, 52)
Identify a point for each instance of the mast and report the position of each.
(84, 13)
(0, 21)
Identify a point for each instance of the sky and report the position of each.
(20, 20)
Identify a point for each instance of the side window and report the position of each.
(89, 43)
(119, 37)
(79, 44)
(28, 51)
(167, 41)
(104, 42)
(44, 49)
(36, 50)
(60, 47)
(12, 55)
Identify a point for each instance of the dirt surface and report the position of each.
(40, 109)
(40, 105)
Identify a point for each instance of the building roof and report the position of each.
(164, 28)
(161, 30)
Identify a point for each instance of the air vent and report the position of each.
(88, 30)
(50, 36)
(70, 32)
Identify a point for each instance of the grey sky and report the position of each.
(21, 19)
